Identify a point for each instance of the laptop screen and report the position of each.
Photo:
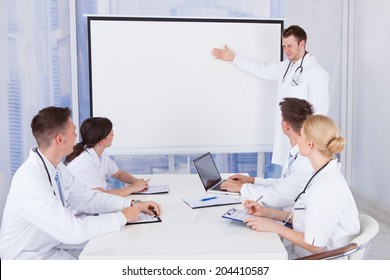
(207, 170)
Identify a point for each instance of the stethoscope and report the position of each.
(308, 183)
(299, 68)
(47, 171)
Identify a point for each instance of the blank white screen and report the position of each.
(158, 83)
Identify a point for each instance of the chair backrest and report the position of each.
(369, 228)
(4, 189)
(357, 249)
(338, 253)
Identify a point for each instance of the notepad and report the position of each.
(197, 202)
(145, 218)
(236, 215)
(154, 189)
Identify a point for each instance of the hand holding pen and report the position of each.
(254, 207)
(257, 200)
(138, 185)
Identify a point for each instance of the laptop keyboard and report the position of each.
(217, 187)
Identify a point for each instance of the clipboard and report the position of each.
(145, 219)
(200, 202)
(154, 189)
(236, 215)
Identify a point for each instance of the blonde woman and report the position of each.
(324, 216)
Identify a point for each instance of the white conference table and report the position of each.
(185, 233)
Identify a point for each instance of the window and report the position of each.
(35, 69)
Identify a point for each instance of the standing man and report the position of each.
(280, 192)
(40, 218)
(300, 76)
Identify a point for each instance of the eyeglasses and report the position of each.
(297, 74)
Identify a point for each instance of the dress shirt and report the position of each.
(92, 170)
(281, 192)
(313, 86)
(326, 213)
(35, 223)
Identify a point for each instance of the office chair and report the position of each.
(357, 249)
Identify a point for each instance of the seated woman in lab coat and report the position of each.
(325, 214)
(92, 166)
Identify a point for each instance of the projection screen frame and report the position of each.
(177, 149)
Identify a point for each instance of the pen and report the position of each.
(257, 200)
(288, 218)
(147, 180)
(208, 198)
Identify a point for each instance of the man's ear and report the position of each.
(286, 126)
(59, 139)
(302, 44)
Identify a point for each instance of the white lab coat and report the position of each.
(281, 192)
(313, 87)
(91, 170)
(326, 213)
(36, 224)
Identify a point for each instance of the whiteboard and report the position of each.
(157, 81)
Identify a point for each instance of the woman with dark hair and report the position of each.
(92, 166)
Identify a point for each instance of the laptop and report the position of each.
(209, 174)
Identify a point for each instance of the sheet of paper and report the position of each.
(145, 218)
(237, 215)
(153, 189)
(205, 201)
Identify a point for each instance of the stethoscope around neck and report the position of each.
(47, 171)
(308, 183)
(299, 68)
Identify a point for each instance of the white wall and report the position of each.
(371, 101)
(322, 21)
(368, 138)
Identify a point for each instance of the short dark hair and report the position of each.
(48, 123)
(295, 111)
(296, 31)
(92, 131)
